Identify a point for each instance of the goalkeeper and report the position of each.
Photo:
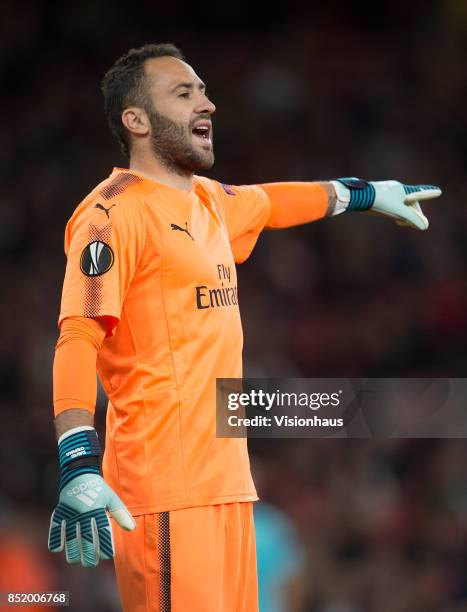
(150, 300)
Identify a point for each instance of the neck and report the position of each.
(155, 171)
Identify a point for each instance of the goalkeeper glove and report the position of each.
(80, 522)
(385, 198)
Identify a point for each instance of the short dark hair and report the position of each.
(124, 85)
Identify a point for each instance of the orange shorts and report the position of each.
(199, 559)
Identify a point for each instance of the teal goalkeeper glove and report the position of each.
(80, 522)
(385, 198)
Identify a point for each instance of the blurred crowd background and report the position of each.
(304, 91)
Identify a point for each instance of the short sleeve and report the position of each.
(103, 248)
(246, 209)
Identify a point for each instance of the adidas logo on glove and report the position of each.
(87, 491)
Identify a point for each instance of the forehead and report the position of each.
(165, 73)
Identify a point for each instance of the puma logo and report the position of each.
(174, 226)
(106, 210)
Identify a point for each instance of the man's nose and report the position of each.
(206, 106)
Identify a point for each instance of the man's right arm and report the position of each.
(103, 245)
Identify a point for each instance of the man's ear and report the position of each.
(136, 121)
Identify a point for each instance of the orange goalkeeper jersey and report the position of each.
(159, 264)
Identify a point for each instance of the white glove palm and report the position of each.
(401, 202)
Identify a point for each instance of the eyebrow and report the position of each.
(201, 86)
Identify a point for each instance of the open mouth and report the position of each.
(203, 132)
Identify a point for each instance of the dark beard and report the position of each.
(171, 144)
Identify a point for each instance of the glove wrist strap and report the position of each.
(79, 452)
(354, 194)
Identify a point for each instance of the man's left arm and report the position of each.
(296, 203)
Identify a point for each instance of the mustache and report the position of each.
(203, 116)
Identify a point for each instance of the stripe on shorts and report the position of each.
(165, 595)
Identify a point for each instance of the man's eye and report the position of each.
(184, 95)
